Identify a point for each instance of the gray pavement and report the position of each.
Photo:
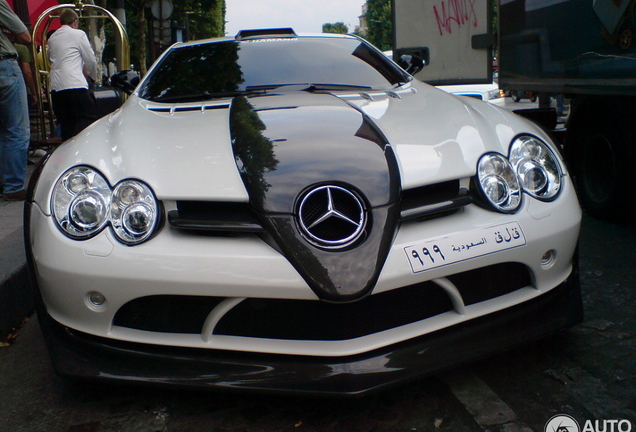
(16, 300)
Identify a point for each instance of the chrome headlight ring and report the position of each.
(83, 203)
(498, 183)
(532, 167)
(537, 166)
(134, 211)
(80, 202)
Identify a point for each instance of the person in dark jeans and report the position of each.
(73, 64)
(15, 131)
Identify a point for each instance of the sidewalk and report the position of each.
(16, 300)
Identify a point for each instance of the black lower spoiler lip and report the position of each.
(79, 355)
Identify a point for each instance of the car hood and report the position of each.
(273, 151)
(184, 151)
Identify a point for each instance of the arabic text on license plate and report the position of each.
(458, 247)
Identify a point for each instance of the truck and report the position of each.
(584, 50)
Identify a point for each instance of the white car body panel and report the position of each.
(129, 151)
(482, 92)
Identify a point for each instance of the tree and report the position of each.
(379, 26)
(203, 19)
(338, 27)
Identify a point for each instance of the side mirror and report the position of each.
(411, 63)
(125, 81)
(413, 60)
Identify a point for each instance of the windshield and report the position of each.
(222, 69)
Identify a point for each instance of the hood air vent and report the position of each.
(171, 109)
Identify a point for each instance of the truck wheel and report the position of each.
(625, 39)
(515, 96)
(602, 165)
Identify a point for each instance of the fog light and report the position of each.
(548, 258)
(96, 298)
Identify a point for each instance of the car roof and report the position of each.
(267, 33)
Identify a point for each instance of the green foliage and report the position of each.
(200, 18)
(338, 27)
(379, 25)
(203, 18)
(254, 151)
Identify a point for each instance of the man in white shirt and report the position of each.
(72, 63)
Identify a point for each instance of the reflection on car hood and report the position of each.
(289, 141)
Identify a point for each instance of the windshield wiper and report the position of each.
(266, 87)
(206, 96)
(326, 87)
(309, 87)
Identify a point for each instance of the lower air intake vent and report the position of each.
(316, 320)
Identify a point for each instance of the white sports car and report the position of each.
(297, 213)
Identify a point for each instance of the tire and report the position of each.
(533, 98)
(515, 96)
(625, 39)
(602, 154)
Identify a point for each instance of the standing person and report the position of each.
(25, 60)
(15, 129)
(72, 63)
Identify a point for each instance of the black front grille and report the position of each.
(315, 320)
(312, 320)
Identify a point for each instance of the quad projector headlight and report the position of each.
(83, 204)
(531, 167)
(537, 166)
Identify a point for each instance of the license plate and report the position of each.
(430, 254)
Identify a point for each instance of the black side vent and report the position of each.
(166, 313)
(433, 200)
(214, 216)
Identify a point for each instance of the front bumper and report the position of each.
(75, 354)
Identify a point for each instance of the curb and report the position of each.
(16, 299)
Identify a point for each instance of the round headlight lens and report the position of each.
(498, 182)
(87, 211)
(134, 211)
(537, 166)
(80, 202)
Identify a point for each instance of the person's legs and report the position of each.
(15, 128)
(62, 107)
(74, 110)
(84, 110)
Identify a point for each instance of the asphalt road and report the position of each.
(588, 372)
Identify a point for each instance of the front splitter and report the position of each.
(78, 355)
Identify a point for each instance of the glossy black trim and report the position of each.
(78, 355)
(289, 143)
(434, 207)
(214, 216)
